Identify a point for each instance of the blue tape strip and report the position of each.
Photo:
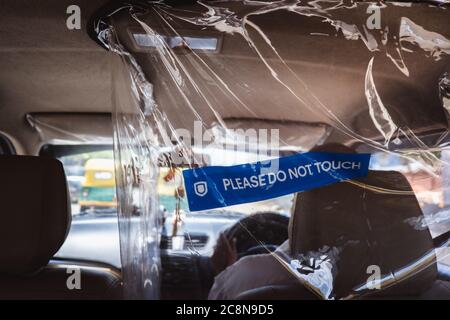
(217, 186)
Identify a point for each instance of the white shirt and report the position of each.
(252, 272)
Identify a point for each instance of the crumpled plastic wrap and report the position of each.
(374, 76)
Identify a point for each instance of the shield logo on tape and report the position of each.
(200, 188)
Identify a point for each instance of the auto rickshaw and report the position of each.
(99, 187)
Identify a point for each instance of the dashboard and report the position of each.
(95, 237)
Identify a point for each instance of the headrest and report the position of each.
(35, 212)
(368, 221)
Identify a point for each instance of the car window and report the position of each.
(94, 232)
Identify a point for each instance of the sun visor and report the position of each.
(72, 128)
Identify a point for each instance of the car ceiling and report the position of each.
(45, 67)
(333, 69)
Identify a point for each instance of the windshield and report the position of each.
(94, 234)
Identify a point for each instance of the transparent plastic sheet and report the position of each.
(314, 76)
(135, 155)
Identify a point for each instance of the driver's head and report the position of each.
(333, 147)
(295, 214)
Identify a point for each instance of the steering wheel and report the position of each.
(259, 233)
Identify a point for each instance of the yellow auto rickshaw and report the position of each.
(99, 186)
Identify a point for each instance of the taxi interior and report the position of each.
(56, 102)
